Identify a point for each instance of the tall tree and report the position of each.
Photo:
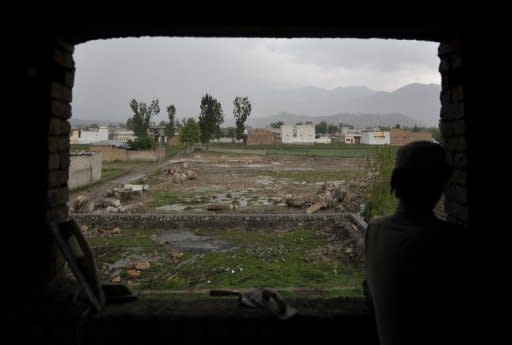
(129, 123)
(321, 127)
(332, 129)
(241, 110)
(210, 118)
(190, 133)
(171, 126)
(142, 114)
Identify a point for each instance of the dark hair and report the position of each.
(420, 173)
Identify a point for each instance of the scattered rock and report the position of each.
(133, 273)
(111, 202)
(115, 231)
(142, 265)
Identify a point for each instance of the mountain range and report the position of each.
(359, 106)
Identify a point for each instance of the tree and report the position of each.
(397, 125)
(231, 133)
(129, 123)
(94, 125)
(171, 126)
(332, 129)
(210, 119)
(277, 124)
(241, 110)
(321, 128)
(190, 133)
(162, 123)
(144, 142)
(142, 114)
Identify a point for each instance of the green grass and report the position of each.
(379, 200)
(172, 150)
(257, 259)
(79, 147)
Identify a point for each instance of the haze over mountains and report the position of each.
(359, 106)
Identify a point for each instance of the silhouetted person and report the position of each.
(414, 261)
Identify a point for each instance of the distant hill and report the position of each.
(418, 103)
(356, 120)
(80, 123)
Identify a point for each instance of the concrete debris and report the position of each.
(142, 265)
(115, 231)
(82, 204)
(111, 202)
(132, 208)
(312, 209)
(133, 273)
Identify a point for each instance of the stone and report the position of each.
(133, 273)
(314, 208)
(111, 202)
(294, 202)
(142, 265)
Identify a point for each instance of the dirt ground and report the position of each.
(245, 183)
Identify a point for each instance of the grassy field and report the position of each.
(317, 176)
(291, 259)
(316, 150)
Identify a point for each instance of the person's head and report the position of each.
(420, 174)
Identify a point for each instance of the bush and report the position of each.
(379, 200)
(142, 143)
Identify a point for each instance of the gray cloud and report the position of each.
(180, 71)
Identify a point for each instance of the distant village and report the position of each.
(300, 133)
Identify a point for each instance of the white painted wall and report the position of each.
(375, 138)
(298, 134)
(89, 137)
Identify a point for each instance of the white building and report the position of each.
(92, 136)
(298, 134)
(375, 138)
(123, 135)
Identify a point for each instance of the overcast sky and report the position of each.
(179, 71)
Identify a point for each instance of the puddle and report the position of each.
(188, 241)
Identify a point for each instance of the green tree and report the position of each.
(277, 124)
(190, 133)
(321, 128)
(397, 125)
(231, 133)
(94, 125)
(171, 126)
(436, 134)
(144, 142)
(142, 114)
(241, 110)
(332, 129)
(129, 123)
(210, 119)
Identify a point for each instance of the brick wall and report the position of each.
(403, 137)
(453, 129)
(110, 153)
(84, 169)
(261, 138)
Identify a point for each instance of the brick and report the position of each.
(447, 130)
(54, 127)
(64, 58)
(451, 47)
(444, 66)
(57, 91)
(57, 178)
(67, 94)
(452, 111)
(64, 161)
(58, 144)
(61, 110)
(53, 161)
(66, 46)
(58, 196)
(457, 94)
(69, 78)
